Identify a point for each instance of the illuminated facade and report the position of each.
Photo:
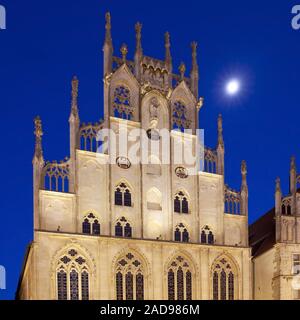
(137, 231)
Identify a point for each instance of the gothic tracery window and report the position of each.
(207, 235)
(130, 280)
(179, 117)
(72, 277)
(91, 225)
(121, 103)
(179, 279)
(181, 204)
(181, 233)
(123, 228)
(123, 195)
(224, 280)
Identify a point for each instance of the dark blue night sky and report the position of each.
(47, 42)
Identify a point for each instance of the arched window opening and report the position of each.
(130, 281)
(123, 195)
(91, 225)
(179, 117)
(181, 233)
(224, 278)
(122, 107)
(207, 235)
(72, 277)
(123, 228)
(181, 204)
(179, 279)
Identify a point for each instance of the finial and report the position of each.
(168, 57)
(182, 70)
(138, 34)
(278, 184)
(293, 162)
(220, 130)
(244, 168)
(194, 55)
(74, 105)
(38, 132)
(108, 38)
(124, 52)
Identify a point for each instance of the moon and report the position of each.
(232, 87)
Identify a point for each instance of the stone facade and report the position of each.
(137, 231)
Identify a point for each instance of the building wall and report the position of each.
(102, 254)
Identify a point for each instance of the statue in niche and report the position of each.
(154, 105)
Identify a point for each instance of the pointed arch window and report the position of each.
(179, 117)
(207, 235)
(123, 195)
(72, 277)
(224, 278)
(123, 228)
(121, 103)
(91, 225)
(181, 204)
(130, 281)
(181, 233)
(179, 280)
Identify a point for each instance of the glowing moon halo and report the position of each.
(232, 87)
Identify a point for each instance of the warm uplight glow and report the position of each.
(232, 87)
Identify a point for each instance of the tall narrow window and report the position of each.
(127, 198)
(96, 227)
(177, 235)
(216, 286)
(129, 278)
(179, 273)
(72, 277)
(128, 233)
(129, 286)
(62, 285)
(139, 287)
(231, 286)
(185, 206)
(188, 285)
(74, 285)
(171, 285)
(177, 205)
(210, 238)
(119, 286)
(185, 236)
(223, 285)
(85, 285)
(118, 197)
(180, 292)
(203, 237)
(119, 230)
(86, 226)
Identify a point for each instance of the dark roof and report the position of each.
(28, 248)
(262, 233)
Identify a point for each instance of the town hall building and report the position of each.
(108, 227)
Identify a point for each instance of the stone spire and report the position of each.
(74, 123)
(278, 197)
(195, 70)
(220, 147)
(244, 189)
(168, 58)
(38, 164)
(138, 50)
(293, 183)
(38, 132)
(108, 46)
(74, 104)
